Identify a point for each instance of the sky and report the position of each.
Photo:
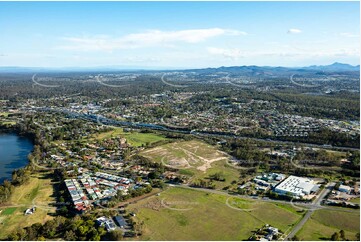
(178, 34)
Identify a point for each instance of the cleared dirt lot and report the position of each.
(186, 154)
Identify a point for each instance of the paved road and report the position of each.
(317, 201)
(107, 121)
(313, 206)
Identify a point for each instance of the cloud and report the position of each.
(347, 52)
(290, 53)
(149, 38)
(294, 31)
(139, 59)
(350, 35)
(232, 53)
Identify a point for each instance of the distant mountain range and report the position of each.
(335, 67)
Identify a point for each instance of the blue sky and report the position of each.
(178, 34)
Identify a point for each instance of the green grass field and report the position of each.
(8, 123)
(184, 214)
(134, 138)
(38, 191)
(8, 211)
(196, 159)
(5, 121)
(355, 200)
(323, 223)
(229, 173)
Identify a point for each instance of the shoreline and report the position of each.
(14, 131)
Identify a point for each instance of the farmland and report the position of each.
(184, 214)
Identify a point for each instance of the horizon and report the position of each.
(129, 68)
(178, 35)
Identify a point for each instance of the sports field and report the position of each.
(323, 223)
(184, 214)
(38, 192)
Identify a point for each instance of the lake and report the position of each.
(14, 151)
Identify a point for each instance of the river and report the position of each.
(14, 151)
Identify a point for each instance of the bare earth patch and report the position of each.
(186, 154)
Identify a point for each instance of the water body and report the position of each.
(14, 151)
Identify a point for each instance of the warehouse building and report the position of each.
(296, 186)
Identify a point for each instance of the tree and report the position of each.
(70, 235)
(218, 176)
(83, 230)
(20, 234)
(116, 235)
(49, 229)
(33, 231)
(138, 179)
(153, 175)
(101, 231)
(63, 210)
(93, 234)
(295, 238)
(342, 234)
(335, 237)
(13, 237)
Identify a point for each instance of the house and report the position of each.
(106, 222)
(101, 220)
(269, 237)
(120, 221)
(273, 230)
(29, 211)
(109, 225)
(345, 189)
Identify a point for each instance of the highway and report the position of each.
(107, 121)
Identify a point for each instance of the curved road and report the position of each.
(317, 201)
(108, 121)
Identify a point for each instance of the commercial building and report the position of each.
(296, 186)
